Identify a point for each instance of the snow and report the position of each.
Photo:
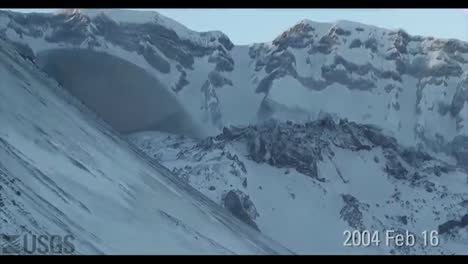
(130, 187)
(239, 103)
(76, 176)
(367, 106)
(304, 214)
(141, 17)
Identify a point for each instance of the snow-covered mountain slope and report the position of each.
(414, 87)
(323, 177)
(176, 56)
(64, 172)
(305, 184)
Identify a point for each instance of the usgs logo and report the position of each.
(29, 244)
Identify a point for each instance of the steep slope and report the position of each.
(413, 86)
(167, 51)
(305, 184)
(301, 183)
(64, 172)
(410, 85)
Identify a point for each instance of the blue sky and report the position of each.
(245, 26)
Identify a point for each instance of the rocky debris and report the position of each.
(237, 164)
(301, 146)
(277, 146)
(310, 141)
(352, 211)
(240, 205)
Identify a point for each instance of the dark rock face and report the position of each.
(414, 157)
(448, 226)
(356, 43)
(240, 206)
(296, 37)
(335, 75)
(280, 61)
(226, 42)
(224, 63)
(217, 80)
(464, 220)
(155, 60)
(342, 32)
(371, 44)
(325, 44)
(394, 167)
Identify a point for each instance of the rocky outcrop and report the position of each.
(464, 220)
(156, 42)
(448, 226)
(372, 62)
(302, 145)
(240, 206)
(352, 211)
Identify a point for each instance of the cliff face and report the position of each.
(410, 85)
